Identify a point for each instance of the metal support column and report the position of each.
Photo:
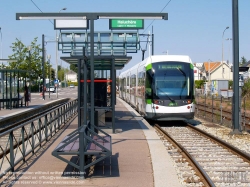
(152, 43)
(113, 93)
(79, 92)
(85, 112)
(43, 67)
(10, 104)
(92, 86)
(235, 117)
(81, 153)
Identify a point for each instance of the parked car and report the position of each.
(72, 86)
(51, 89)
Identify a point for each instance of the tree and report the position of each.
(246, 89)
(27, 58)
(59, 68)
(73, 68)
(230, 84)
(243, 61)
(199, 83)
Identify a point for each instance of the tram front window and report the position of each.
(171, 79)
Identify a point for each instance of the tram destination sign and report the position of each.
(117, 24)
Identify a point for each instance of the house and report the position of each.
(71, 76)
(216, 70)
(197, 71)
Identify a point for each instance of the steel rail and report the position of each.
(205, 178)
(244, 156)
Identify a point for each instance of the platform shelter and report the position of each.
(11, 84)
(110, 54)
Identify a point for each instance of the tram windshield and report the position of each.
(172, 80)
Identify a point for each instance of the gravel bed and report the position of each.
(242, 142)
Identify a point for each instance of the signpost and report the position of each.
(56, 86)
(126, 24)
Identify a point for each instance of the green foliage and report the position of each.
(74, 83)
(73, 68)
(35, 88)
(61, 74)
(217, 104)
(26, 58)
(199, 83)
(52, 77)
(243, 61)
(59, 68)
(246, 89)
(217, 116)
(230, 84)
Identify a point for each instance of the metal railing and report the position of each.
(28, 137)
(219, 109)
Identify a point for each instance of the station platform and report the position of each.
(138, 159)
(36, 101)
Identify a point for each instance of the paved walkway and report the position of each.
(36, 101)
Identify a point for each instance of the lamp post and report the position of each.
(57, 57)
(29, 49)
(228, 39)
(223, 50)
(48, 57)
(2, 81)
(1, 44)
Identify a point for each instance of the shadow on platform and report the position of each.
(109, 167)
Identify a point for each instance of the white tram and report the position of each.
(161, 87)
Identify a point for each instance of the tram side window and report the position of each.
(143, 83)
(127, 86)
(122, 84)
(148, 82)
(133, 83)
(140, 85)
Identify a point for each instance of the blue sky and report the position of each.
(194, 27)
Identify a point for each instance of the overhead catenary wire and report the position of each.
(154, 19)
(41, 11)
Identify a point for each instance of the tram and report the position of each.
(160, 88)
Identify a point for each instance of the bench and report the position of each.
(82, 142)
(9, 103)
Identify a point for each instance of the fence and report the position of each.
(28, 137)
(218, 109)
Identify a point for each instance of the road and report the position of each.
(62, 93)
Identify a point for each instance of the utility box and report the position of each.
(219, 86)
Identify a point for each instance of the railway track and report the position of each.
(204, 160)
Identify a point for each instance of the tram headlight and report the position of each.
(158, 102)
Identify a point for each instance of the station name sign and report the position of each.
(126, 24)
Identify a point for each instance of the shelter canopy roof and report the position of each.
(101, 62)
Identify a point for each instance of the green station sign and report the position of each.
(126, 24)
